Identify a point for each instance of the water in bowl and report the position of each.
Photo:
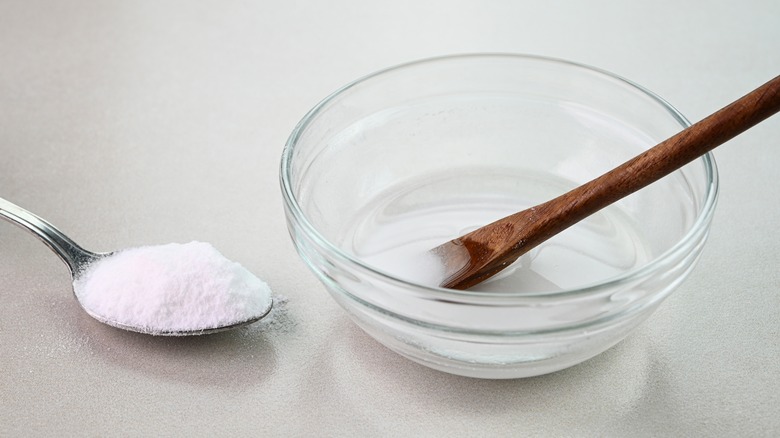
(394, 232)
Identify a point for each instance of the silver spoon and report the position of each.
(78, 259)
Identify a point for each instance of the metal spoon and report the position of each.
(477, 256)
(78, 259)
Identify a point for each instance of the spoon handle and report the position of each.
(662, 159)
(72, 254)
(476, 256)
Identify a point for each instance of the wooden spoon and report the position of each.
(480, 254)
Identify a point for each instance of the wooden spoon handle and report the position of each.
(662, 159)
(476, 256)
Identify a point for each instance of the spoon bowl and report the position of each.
(79, 260)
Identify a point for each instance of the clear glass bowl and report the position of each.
(418, 153)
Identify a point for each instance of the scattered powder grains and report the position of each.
(170, 288)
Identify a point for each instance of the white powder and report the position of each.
(171, 288)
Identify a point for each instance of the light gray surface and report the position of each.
(143, 122)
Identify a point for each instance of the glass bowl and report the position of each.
(412, 156)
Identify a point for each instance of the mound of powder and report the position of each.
(171, 288)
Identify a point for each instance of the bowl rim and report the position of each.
(699, 226)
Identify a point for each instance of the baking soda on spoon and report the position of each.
(172, 288)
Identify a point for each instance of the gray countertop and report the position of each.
(130, 123)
